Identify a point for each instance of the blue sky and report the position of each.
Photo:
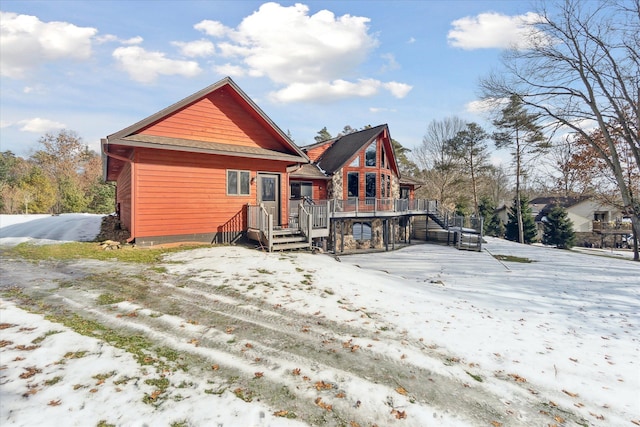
(95, 67)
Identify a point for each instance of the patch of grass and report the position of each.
(76, 250)
(75, 354)
(104, 423)
(160, 383)
(42, 337)
(329, 291)
(102, 377)
(264, 271)
(53, 380)
(124, 380)
(475, 377)
(512, 258)
(108, 299)
(160, 269)
(139, 346)
(182, 423)
(244, 394)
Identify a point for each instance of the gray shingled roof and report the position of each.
(345, 147)
(179, 144)
(308, 171)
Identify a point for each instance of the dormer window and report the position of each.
(370, 155)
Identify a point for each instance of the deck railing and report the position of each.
(618, 227)
(374, 206)
(305, 221)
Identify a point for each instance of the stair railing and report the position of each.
(305, 219)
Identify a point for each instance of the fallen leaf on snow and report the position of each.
(54, 402)
(321, 385)
(518, 378)
(323, 405)
(569, 393)
(399, 414)
(31, 371)
(401, 391)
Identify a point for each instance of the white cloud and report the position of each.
(319, 47)
(145, 67)
(38, 125)
(381, 110)
(309, 61)
(398, 90)
(337, 89)
(485, 105)
(4, 124)
(391, 63)
(196, 48)
(492, 30)
(26, 43)
(111, 38)
(212, 28)
(411, 40)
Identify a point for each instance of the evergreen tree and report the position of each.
(518, 130)
(323, 135)
(470, 146)
(558, 229)
(529, 230)
(492, 225)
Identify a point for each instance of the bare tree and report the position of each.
(582, 70)
(437, 161)
(568, 180)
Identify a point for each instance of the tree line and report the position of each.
(62, 176)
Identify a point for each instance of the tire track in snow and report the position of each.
(281, 342)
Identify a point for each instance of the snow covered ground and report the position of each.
(423, 336)
(48, 229)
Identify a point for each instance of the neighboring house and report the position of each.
(213, 167)
(187, 173)
(587, 214)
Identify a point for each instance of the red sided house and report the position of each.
(213, 167)
(188, 172)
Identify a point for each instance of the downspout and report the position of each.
(126, 160)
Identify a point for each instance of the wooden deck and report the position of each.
(312, 219)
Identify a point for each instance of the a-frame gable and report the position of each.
(217, 116)
(345, 148)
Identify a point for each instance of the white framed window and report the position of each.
(238, 183)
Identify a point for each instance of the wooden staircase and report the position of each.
(289, 238)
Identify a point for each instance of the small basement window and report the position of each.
(362, 231)
(238, 183)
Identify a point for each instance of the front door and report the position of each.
(269, 194)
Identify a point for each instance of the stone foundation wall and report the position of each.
(377, 235)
